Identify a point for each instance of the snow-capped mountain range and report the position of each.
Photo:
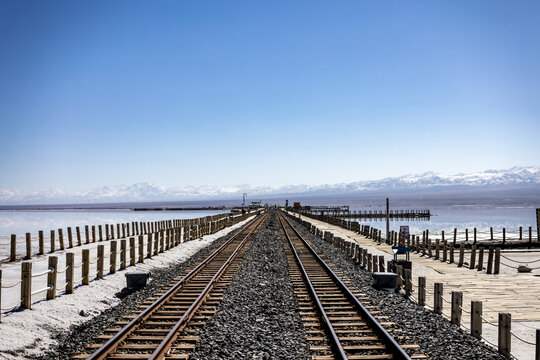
(516, 176)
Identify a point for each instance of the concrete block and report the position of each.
(137, 279)
(385, 281)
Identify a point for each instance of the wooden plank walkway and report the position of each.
(517, 294)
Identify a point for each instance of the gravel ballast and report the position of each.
(73, 342)
(258, 318)
(436, 336)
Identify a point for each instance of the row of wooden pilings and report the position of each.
(93, 233)
(376, 263)
(130, 252)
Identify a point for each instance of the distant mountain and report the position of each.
(142, 192)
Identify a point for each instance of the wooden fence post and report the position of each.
(70, 265)
(100, 260)
(156, 242)
(436, 249)
(457, 300)
(28, 246)
(455, 237)
(78, 231)
(445, 251)
(476, 319)
(112, 260)
(480, 258)
(161, 241)
(381, 263)
(118, 231)
(100, 232)
(123, 255)
(70, 238)
(451, 254)
(107, 235)
(87, 234)
(497, 260)
(53, 242)
(51, 277)
(408, 282)
(112, 231)
(438, 298)
(149, 246)
(93, 233)
(490, 260)
(61, 238)
(26, 285)
(505, 326)
(141, 249)
(132, 251)
(422, 291)
(86, 266)
(461, 254)
(472, 264)
(41, 243)
(369, 260)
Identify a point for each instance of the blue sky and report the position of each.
(267, 93)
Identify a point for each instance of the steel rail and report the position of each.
(164, 347)
(336, 344)
(111, 345)
(390, 343)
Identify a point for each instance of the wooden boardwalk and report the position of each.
(518, 294)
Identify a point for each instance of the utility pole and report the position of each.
(387, 220)
(244, 199)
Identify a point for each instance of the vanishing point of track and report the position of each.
(162, 329)
(338, 324)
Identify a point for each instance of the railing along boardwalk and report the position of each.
(94, 261)
(332, 311)
(481, 302)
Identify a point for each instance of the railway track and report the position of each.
(338, 325)
(166, 324)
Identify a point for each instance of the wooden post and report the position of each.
(369, 260)
(78, 231)
(375, 260)
(70, 266)
(86, 266)
(149, 246)
(26, 285)
(436, 249)
(100, 232)
(521, 233)
(505, 326)
(41, 243)
(51, 277)
(461, 254)
(530, 234)
(118, 231)
(123, 255)
(457, 300)
(141, 249)
(497, 260)
(70, 237)
(476, 319)
(474, 236)
(61, 238)
(438, 298)
(93, 233)
(28, 246)
(107, 236)
(13, 248)
(430, 252)
(161, 240)
(451, 253)
(472, 264)
(491, 233)
(86, 234)
(53, 242)
(112, 261)
(381, 263)
(455, 237)
(112, 231)
(132, 251)
(445, 251)
(504, 236)
(100, 260)
(422, 291)
(490, 260)
(156, 242)
(408, 282)
(480, 266)
(466, 235)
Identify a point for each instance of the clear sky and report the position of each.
(264, 92)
